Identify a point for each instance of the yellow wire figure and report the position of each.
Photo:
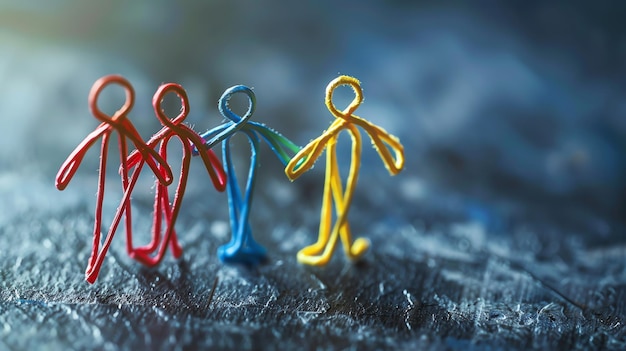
(320, 253)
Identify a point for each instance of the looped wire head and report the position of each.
(97, 88)
(224, 107)
(358, 99)
(157, 99)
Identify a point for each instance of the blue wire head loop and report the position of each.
(223, 104)
(235, 123)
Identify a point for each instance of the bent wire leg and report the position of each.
(98, 256)
(311, 254)
(156, 223)
(161, 210)
(177, 249)
(97, 227)
(157, 219)
(249, 244)
(344, 199)
(128, 223)
(133, 180)
(170, 234)
(234, 195)
(165, 209)
(242, 247)
(147, 255)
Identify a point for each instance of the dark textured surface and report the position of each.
(506, 230)
(437, 281)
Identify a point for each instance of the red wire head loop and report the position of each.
(97, 88)
(158, 99)
(358, 99)
(175, 125)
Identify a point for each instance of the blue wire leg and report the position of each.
(242, 247)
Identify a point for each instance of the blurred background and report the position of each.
(515, 101)
(506, 225)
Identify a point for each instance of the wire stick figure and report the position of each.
(320, 253)
(119, 123)
(242, 247)
(153, 253)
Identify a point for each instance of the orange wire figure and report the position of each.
(320, 253)
(119, 123)
(153, 253)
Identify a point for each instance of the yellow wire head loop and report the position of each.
(358, 99)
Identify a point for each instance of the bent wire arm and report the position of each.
(279, 144)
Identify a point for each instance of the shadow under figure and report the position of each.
(242, 247)
(119, 123)
(154, 252)
(320, 253)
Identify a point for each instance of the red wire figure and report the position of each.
(119, 123)
(153, 253)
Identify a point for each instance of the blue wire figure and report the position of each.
(242, 247)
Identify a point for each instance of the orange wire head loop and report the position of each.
(358, 99)
(97, 88)
(158, 99)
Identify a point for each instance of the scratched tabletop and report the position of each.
(505, 230)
